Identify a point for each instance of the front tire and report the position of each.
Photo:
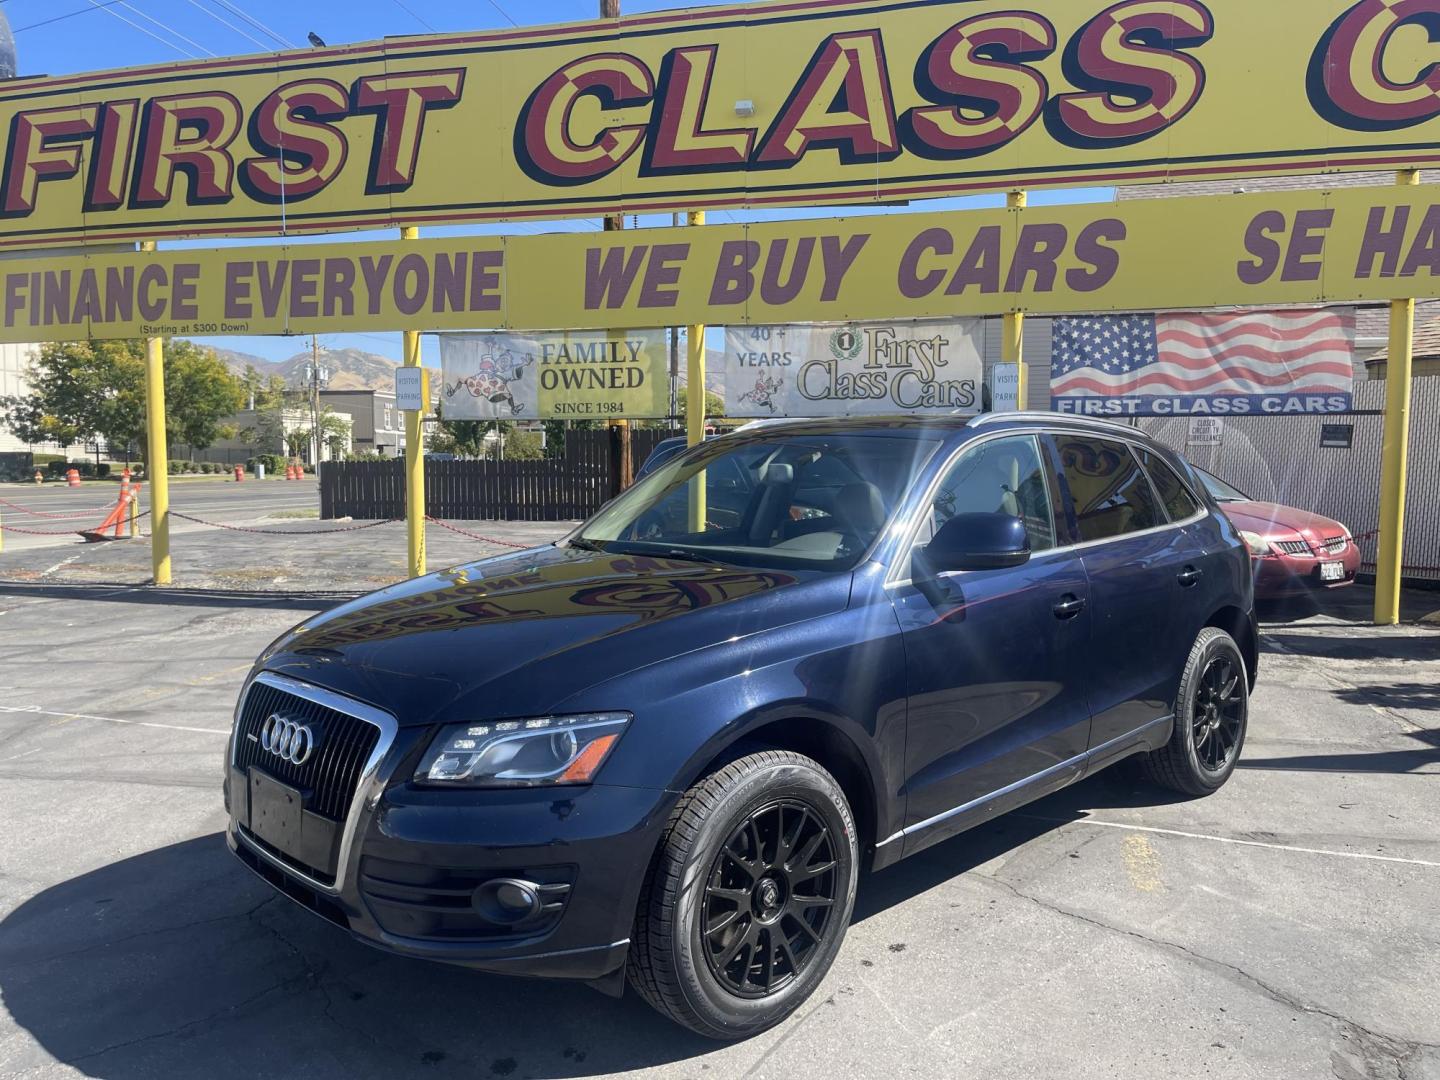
(748, 898)
(1212, 712)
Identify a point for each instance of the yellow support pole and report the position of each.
(695, 403)
(414, 454)
(1390, 544)
(1012, 341)
(134, 514)
(158, 460)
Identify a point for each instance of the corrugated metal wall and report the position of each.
(1280, 459)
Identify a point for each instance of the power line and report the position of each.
(166, 27)
(148, 33)
(504, 14)
(256, 23)
(417, 18)
(61, 18)
(223, 22)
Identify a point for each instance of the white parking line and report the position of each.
(109, 719)
(1233, 840)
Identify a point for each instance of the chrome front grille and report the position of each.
(1293, 547)
(330, 775)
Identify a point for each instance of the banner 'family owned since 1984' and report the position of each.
(564, 376)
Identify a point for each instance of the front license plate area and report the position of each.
(1332, 571)
(277, 814)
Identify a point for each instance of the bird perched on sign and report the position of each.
(316, 40)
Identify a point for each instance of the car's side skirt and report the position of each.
(969, 814)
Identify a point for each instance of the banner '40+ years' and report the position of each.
(761, 104)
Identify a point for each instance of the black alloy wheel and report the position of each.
(747, 898)
(1218, 712)
(769, 899)
(1212, 713)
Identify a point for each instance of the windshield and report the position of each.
(808, 501)
(1219, 490)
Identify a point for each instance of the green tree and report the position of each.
(270, 399)
(523, 445)
(296, 441)
(714, 406)
(463, 438)
(200, 391)
(96, 390)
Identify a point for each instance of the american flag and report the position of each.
(1215, 355)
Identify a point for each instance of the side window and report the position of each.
(1112, 495)
(1179, 503)
(1005, 476)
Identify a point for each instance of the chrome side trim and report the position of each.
(1078, 759)
(367, 789)
(986, 419)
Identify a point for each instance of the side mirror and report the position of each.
(973, 542)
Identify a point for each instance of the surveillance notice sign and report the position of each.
(595, 375)
(849, 369)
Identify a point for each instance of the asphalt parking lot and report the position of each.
(1284, 928)
(252, 536)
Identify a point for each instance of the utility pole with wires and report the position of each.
(317, 378)
(620, 429)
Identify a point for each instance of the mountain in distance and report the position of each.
(350, 369)
(356, 369)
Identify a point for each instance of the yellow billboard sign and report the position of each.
(1305, 247)
(792, 102)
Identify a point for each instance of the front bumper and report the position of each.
(421, 863)
(1291, 575)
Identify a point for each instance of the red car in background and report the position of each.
(1291, 550)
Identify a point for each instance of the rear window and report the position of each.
(1111, 492)
(1174, 494)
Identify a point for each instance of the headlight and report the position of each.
(540, 752)
(1258, 545)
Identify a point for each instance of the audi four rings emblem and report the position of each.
(289, 740)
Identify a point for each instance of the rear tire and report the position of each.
(747, 900)
(1212, 712)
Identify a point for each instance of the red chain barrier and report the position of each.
(283, 532)
(64, 514)
(40, 532)
(477, 536)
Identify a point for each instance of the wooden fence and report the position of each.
(565, 488)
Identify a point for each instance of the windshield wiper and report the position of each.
(584, 544)
(689, 555)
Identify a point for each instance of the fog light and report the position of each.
(508, 900)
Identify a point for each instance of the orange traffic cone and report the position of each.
(115, 519)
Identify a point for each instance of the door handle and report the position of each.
(1068, 606)
(1188, 577)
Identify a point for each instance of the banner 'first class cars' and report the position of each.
(755, 105)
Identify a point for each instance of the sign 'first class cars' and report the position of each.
(854, 368)
(842, 102)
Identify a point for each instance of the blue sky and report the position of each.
(57, 37)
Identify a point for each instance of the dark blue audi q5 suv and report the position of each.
(661, 750)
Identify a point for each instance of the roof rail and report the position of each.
(1050, 418)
